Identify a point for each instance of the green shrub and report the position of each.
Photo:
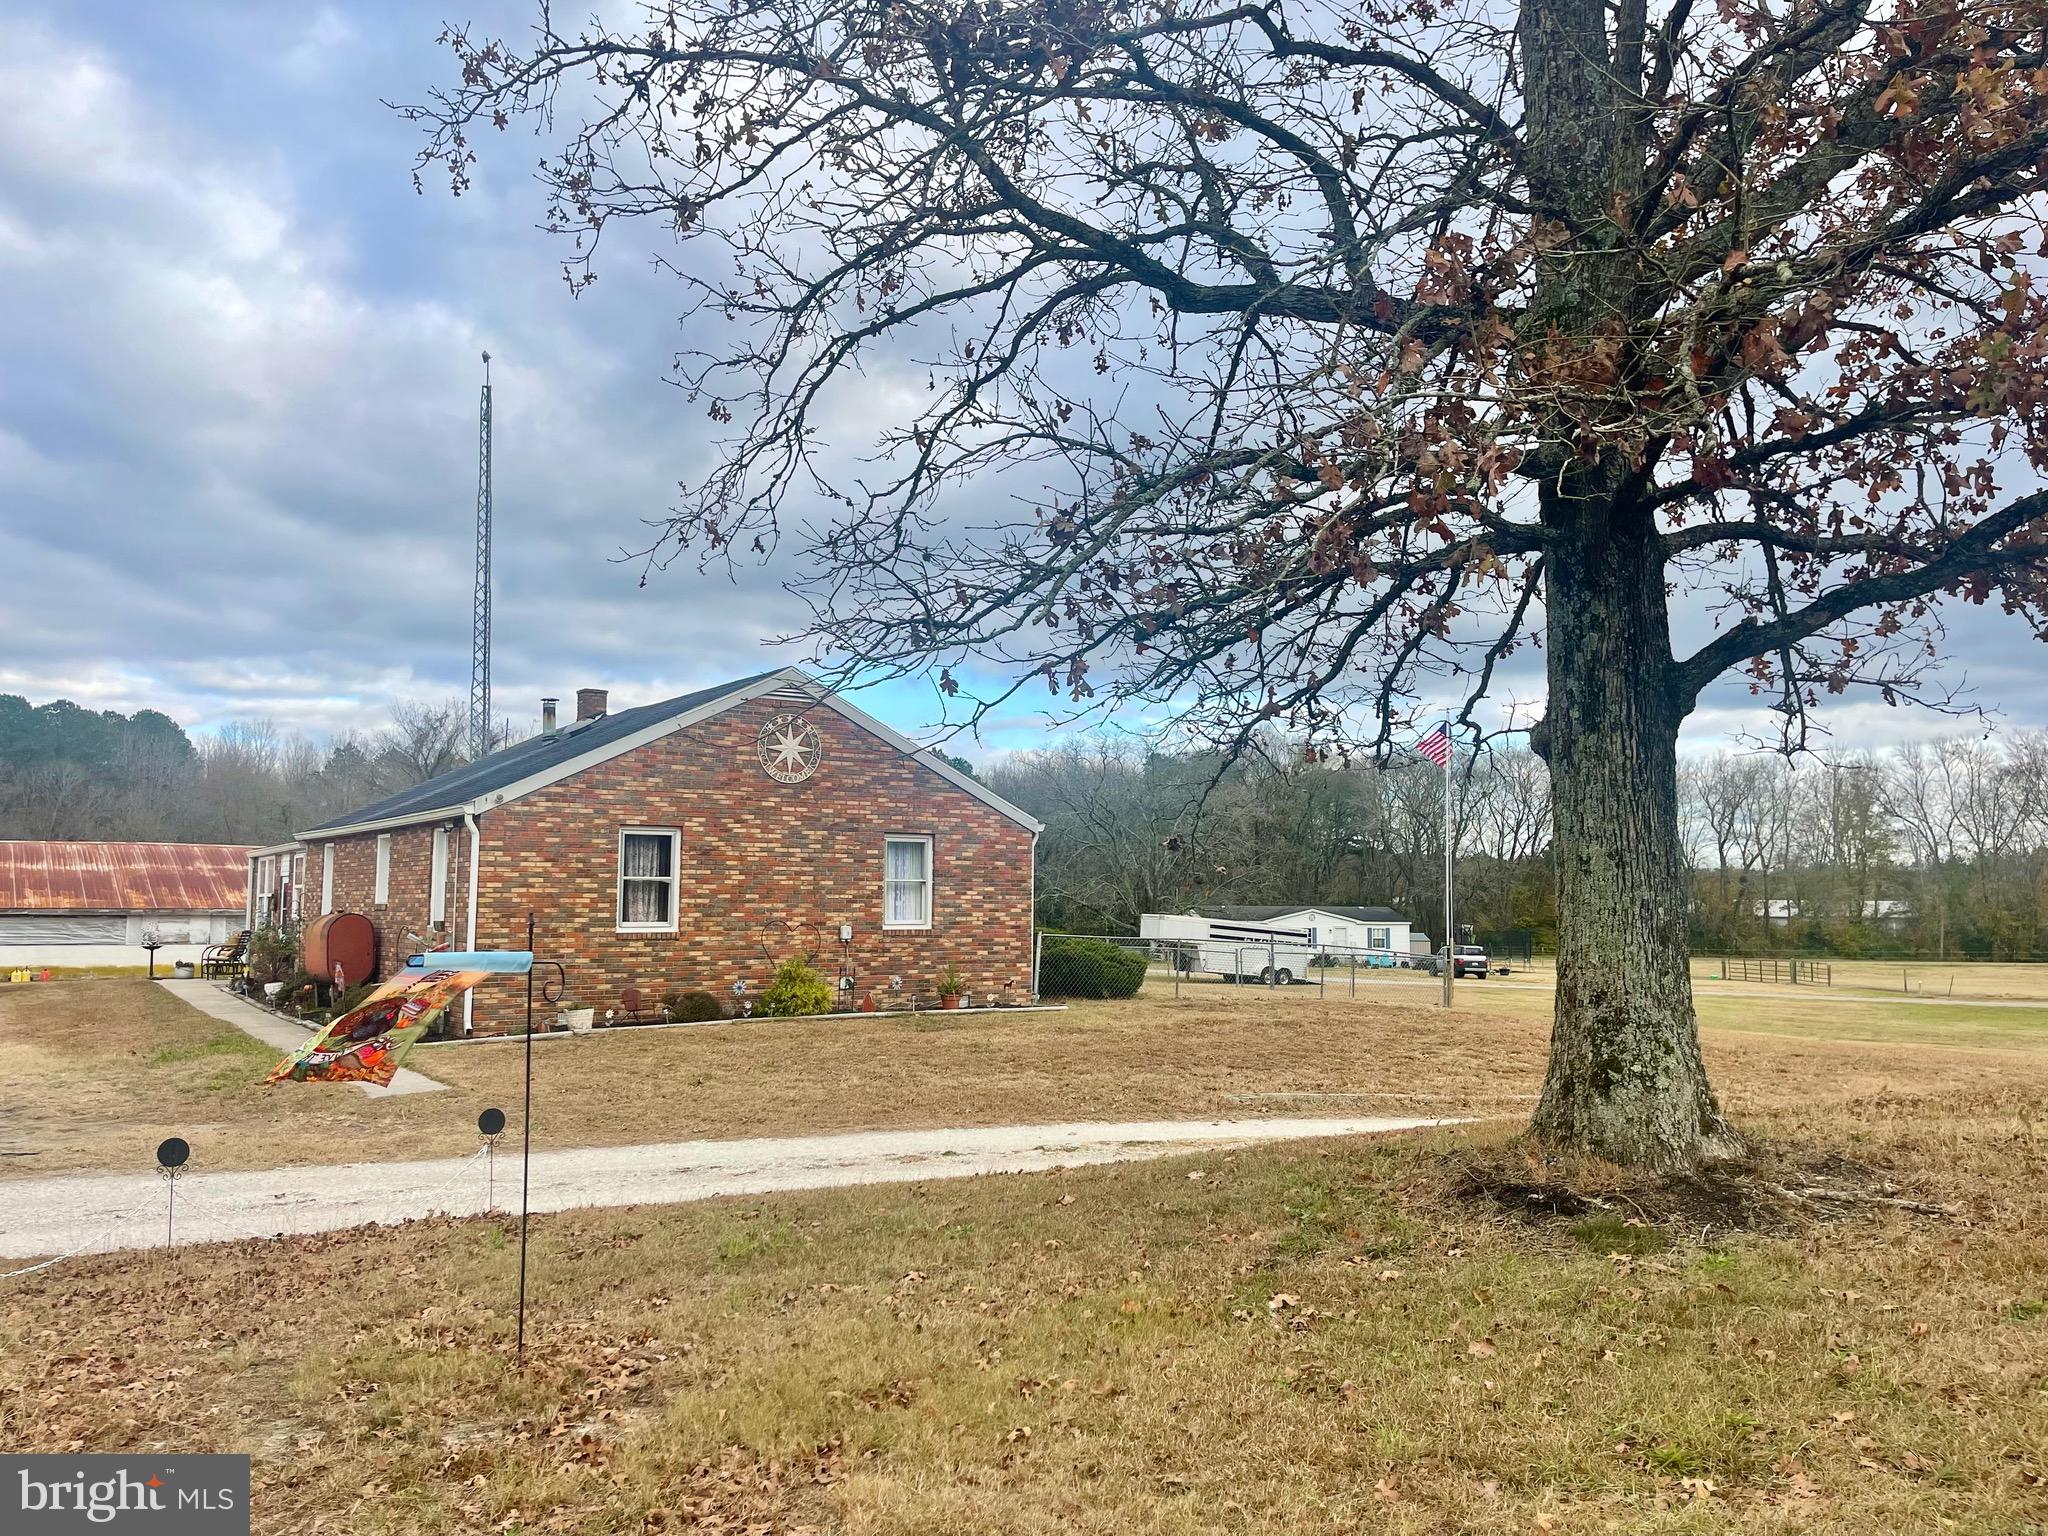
(273, 954)
(1073, 967)
(796, 988)
(691, 1007)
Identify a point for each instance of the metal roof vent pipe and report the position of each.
(547, 717)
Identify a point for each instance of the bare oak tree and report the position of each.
(1277, 359)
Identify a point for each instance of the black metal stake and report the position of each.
(526, 1145)
(171, 1154)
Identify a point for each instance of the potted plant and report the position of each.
(575, 1019)
(952, 987)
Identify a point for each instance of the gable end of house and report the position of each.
(535, 764)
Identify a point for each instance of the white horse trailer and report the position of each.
(1236, 951)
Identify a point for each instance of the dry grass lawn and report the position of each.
(94, 1075)
(1320, 1338)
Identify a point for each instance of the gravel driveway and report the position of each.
(95, 1212)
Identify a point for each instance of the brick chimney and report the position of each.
(547, 716)
(590, 703)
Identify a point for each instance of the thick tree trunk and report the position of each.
(1626, 1081)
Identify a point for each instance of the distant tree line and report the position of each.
(1130, 831)
(1936, 848)
(71, 772)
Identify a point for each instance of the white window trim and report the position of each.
(931, 883)
(382, 895)
(437, 891)
(326, 878)
(675, 880)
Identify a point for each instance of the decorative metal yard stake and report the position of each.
(491, 1122)
(171, 1154)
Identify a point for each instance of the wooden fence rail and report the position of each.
(1793, 972)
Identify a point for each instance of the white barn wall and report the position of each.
(29, 956)
(109, 938)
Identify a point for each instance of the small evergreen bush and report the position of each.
(273, 954)
(796, 988)
(691, 1007)
(1075, 967)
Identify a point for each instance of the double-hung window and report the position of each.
(648, 858)
(907, 882)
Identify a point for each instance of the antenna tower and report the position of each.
(480, 618)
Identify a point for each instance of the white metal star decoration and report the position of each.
(790, 749)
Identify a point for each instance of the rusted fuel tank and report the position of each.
(347, 940)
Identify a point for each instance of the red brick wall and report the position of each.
(401, 921)
(767, 870)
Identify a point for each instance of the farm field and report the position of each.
(1921, 979)
(1324, 1337)
(93, 1075)
(1813, 1013)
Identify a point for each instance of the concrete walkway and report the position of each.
(99, 1212)
(217, 1002)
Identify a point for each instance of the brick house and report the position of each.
(695, 843)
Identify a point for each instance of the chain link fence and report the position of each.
(1074, 965)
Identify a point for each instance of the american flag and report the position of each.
(1436, 746)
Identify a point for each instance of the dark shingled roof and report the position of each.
(536, 754)
(1267, 914)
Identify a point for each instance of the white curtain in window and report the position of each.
(647, 873)
(908, 877)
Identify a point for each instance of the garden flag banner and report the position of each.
(366, 1044)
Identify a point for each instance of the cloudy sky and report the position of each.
(237, 416)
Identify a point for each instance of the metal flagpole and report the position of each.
(1450, 874)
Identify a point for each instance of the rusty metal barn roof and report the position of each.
(122, 877)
